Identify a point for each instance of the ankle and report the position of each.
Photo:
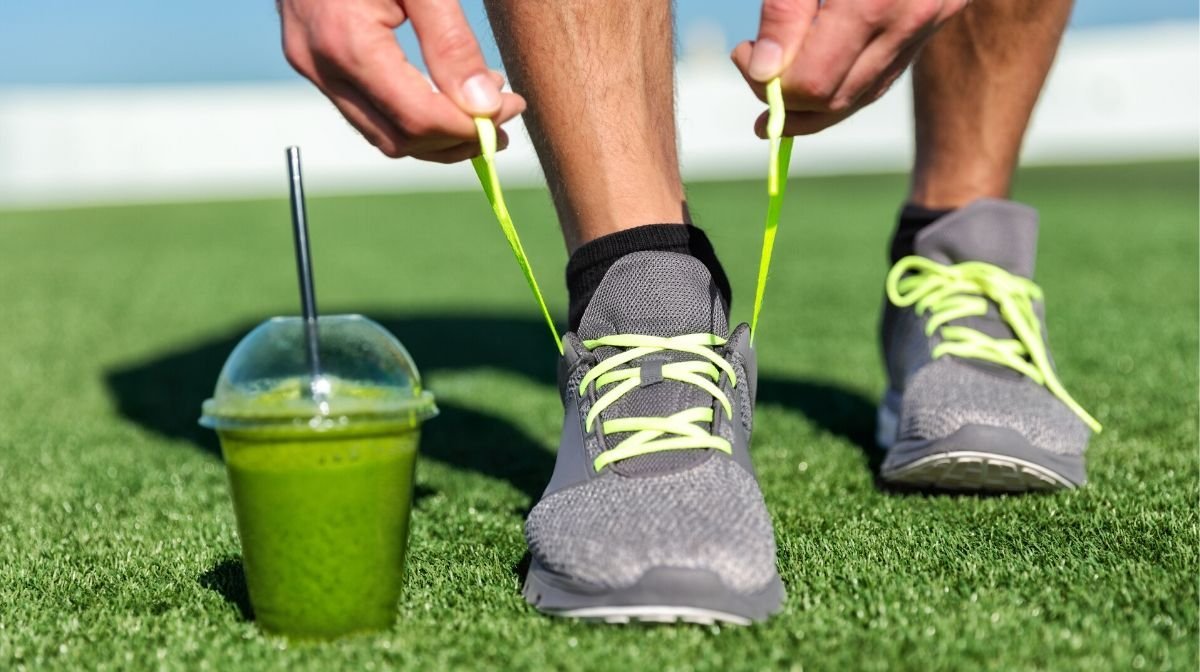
(955, 186)
(593, 217)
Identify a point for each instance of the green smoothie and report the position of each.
(324, 526)
(322, 506)
(321, 470)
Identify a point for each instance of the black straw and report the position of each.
(308, 298)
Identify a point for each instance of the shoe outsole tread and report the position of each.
(664, 614)
(662, 595)
(974, 459)
(977, 471)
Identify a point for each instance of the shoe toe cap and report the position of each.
(947, 395)
(611, 530)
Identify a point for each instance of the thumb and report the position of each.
(780, 34)
(453, 57)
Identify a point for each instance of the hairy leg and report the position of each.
(600, 84)
(975, 86)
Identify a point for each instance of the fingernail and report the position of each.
(481, 94)
(766, 60)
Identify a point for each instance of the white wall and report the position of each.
(1115, 94)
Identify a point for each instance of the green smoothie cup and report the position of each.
(321, 471)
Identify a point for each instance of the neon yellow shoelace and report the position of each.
(485, 168)
(777, 169)
(678, 431)
(949, 293)
(649, 431)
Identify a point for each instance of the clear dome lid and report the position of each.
(365, 376)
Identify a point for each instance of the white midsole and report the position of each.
(654, 613)
(958, 456)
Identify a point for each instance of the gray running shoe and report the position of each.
(974, 402)
(653, 512)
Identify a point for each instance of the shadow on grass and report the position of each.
(164, 393)
(837, 410)
(228, 579)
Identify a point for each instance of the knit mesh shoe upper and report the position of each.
(611, 530)
(935, 398)
(695, 508)
(948, 394)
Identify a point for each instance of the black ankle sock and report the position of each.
(589, 263)
(912, 219)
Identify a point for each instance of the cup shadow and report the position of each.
(227, 578)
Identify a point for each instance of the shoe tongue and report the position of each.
(998, 232)
(1001, 233)
(655, 294)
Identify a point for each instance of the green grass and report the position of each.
(117, 538)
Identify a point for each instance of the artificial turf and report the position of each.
(118, 547)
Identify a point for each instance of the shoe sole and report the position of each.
(666, 595)
(975, 458)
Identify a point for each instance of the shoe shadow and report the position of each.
(521, 569)
(835, 409)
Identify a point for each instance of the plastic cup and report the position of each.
(321, 471)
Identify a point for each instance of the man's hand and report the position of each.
(835, 58)
(347, 48)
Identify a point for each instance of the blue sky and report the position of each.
(160, 41)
